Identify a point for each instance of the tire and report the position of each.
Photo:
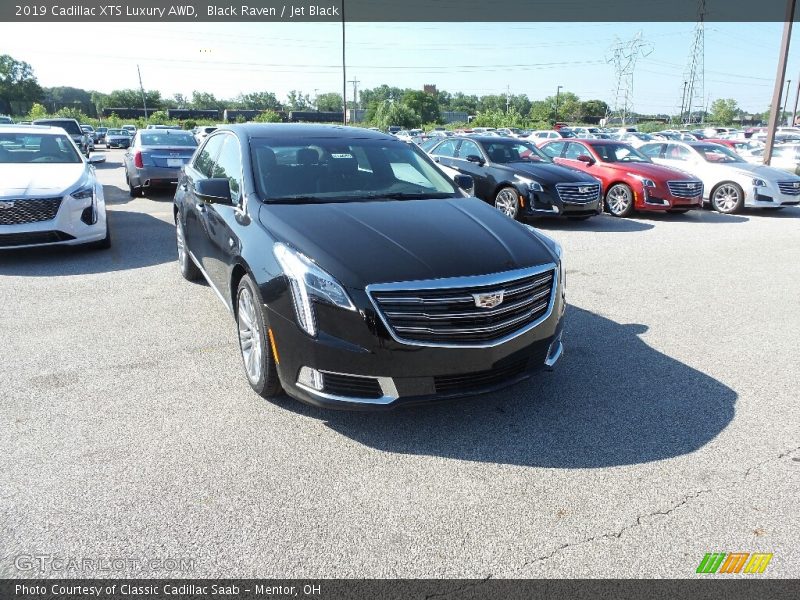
(259, 362)
(133, 191)
(186, 265)
(506, 201)
(727, 198)
(619, 200)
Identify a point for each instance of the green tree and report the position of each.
(206, 101)
(379, 94)
(394, 113)
(463, 103)
(132, 98)
(296, 100)
(329, 102)
(159, 117)
(37, 111)
(257, 101)
(424, 105)
(723, 111)
(593, 108)
(71, 112)
(18, 84)
(268, 116)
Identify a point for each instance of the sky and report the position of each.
(476, 58)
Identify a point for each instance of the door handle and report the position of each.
(201, 208)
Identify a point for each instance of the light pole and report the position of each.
(558, 93)
(786, 99)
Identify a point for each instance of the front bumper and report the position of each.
(769, 196)
(66, 229)
(660, 199)
(403, 374)
(545, 203)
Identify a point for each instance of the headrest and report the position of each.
(307, 156)
(345, 166)
(266, 158)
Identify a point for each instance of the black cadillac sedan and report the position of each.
(357, 274)
(518, 178)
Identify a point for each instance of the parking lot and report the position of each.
(670, 428)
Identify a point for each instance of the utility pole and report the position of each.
(508, 98)
(355, 83)
(344, 74)
(558, 94)
(776, 93)
(786, 100)
(141, 87)
(316, 104)
(796, 98)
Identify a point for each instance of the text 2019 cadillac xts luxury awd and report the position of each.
(358, 275)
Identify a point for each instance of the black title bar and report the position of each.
(89, 11)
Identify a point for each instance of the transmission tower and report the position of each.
(623, 55)
(694, 76)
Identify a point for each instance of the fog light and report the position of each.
(311, 378)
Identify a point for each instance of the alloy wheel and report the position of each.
(506, 202)
(619, 199)
(726, 198)
(249, 336)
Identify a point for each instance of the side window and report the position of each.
(575, 150)
(204, 161)
(229, 165)
(675, 152)
(446, 148)
(469, 148)
(554, 149)
(652, 150)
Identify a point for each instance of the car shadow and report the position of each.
(127, 250)
(785, 212)
(612, 400)
(601, 223)
(693, 216)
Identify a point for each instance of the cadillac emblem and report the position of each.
(4, 204)
(489, 300)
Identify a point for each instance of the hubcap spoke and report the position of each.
(249, 336)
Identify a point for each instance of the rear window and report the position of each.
(165, 137)
(68, 125)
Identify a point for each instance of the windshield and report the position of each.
(506, 151)
(68, 125)
(17, 148)
(714, 153)
(165, 137)
(612, 153)
(116, 132)
(344, 170)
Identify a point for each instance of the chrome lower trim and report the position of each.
(386, 384)
(555, 353)
(462, 282)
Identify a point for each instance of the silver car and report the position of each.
(117, 138)
(156, 157)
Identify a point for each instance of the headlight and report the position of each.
(535, 186)
(759, 182)
(309, 283)
(83, 193)
(645, 181)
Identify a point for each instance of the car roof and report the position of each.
(257, 130)
(488, 139)
(31, 128)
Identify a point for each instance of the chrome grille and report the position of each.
(578, 193)
(449, 316)
(685, 189)
(28, 210)
(790, 188)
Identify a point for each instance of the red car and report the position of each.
(631, 180)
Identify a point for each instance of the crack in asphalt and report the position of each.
(640, 518)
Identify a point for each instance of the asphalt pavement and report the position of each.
(669, 429)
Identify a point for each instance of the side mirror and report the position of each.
(585, 158)
(465, 182)
(474, 158)
(97, 158)
(214, 191)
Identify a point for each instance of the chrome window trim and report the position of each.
(492, 279)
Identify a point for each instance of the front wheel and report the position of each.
(259, 362)
(506, 202)
(727, 198)
(619, 200)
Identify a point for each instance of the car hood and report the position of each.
(39, 179)
(762, 171)
(361, 243)
(548, 174)
(650, 170)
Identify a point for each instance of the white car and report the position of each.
(202, 132)
(729, 181)
(48, 191)
(785, 157)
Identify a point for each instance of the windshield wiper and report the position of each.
(296, 200)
